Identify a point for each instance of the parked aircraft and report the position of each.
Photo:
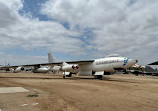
(150, 71)
(40, 69)
(99, 67)
(154, 72)
(96, 68)
(36, 68)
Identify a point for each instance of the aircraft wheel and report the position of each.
(69, 75)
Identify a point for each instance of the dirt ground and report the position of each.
(49, 92)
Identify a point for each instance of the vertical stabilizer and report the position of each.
(50, 58)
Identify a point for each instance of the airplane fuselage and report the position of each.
(109, 64)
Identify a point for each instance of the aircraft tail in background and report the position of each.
(50, 57)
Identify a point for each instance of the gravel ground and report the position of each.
(49, 92)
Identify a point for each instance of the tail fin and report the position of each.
(50, 58)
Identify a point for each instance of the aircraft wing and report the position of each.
(154, 63)
(7, 67)
(43, 64)
(32, 65)
(48, 64)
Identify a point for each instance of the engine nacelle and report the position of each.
(56, 68)
(41, 70)
(18, 69)
(68, 68)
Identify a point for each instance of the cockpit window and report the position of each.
(114, 55)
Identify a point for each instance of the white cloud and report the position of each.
(27, 32)
(128, 27)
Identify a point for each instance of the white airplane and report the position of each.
(96, 68)
(40, 69)
(36, 68)
(16, 69)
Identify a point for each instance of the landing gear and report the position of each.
(64, 75)
(69, 75)
(98, 77)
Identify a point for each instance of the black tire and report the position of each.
(69, 75)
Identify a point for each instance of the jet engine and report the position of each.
(68, 68)
(40, 70)
(18, 69)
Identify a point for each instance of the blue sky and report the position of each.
(33, 7)
(77, 30)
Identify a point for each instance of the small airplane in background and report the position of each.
(144, 70)
(96, 68)
(150, 71)
(34, 68)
